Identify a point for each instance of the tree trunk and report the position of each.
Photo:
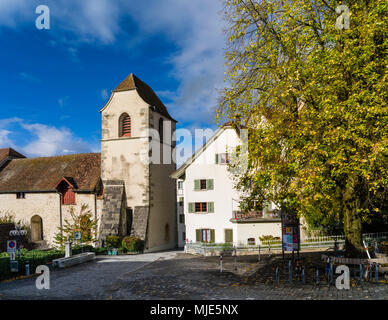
(352, 220)
(353, 235)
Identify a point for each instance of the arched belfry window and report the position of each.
(125, 125)
(161, 129)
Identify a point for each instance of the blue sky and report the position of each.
(53, 82)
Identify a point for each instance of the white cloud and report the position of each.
(45, 140)
(51, 141)
(104, 94)
(195, 27)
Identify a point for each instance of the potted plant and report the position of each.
(113, 244)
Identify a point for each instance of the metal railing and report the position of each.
(266, 245)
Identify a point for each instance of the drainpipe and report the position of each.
(95, 211)
(60, 212)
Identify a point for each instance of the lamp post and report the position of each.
(18, 233)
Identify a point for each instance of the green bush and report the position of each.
(112, 241)
(36, 258)
(133, 244)
(227, 246)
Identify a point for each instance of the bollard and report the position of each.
(68, 248)
(235, 260)
(289, 271)
(27, 267)
(277, 275)
(269, 249)
(259, 254)
(331, 272)
(303, 276)
(361, 270)
(221, 263)
(377, 273)
(317, 276)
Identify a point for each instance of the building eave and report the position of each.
(256, 220)
(182, 169)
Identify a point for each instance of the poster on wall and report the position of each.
(290, 232)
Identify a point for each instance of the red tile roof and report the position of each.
(42, 174)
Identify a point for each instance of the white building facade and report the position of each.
(180, 214)
(211, 203)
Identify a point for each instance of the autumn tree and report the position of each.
(82, 221)
(313, 92)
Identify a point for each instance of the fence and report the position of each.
(267, 245)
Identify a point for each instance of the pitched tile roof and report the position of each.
(145, 91)
(9, 152)
(42, 174)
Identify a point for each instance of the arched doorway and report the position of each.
(36, 228)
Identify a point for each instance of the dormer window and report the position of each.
(65, 187)
(125, 125)
(20, 195)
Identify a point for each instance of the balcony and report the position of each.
(255, 216)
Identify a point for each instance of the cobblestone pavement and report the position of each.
(172, 275)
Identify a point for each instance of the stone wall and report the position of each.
(47, 206)
(113, 207)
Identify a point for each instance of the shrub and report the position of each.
(133, 244)
(83, 222)
(113, 241)
(227, 246)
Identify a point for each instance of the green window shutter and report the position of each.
(212, 236)
(217, 158)
(228, 235)
(209, 184)
(197, 185)
(191, 207)
(210, 207)
(198, 235)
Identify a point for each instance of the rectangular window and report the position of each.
(180, 185)
(251, 241)
(200, 207)
(180, 201)
(181, 218)
(20, 195)
(224, 158)
(203, 184)
(205, 235)
(197, 207)
(228, 235)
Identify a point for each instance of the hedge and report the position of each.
(36, 258)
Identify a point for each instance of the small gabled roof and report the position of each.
(9, 152)
(69, 180)
(145, 92)
(180, 172)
